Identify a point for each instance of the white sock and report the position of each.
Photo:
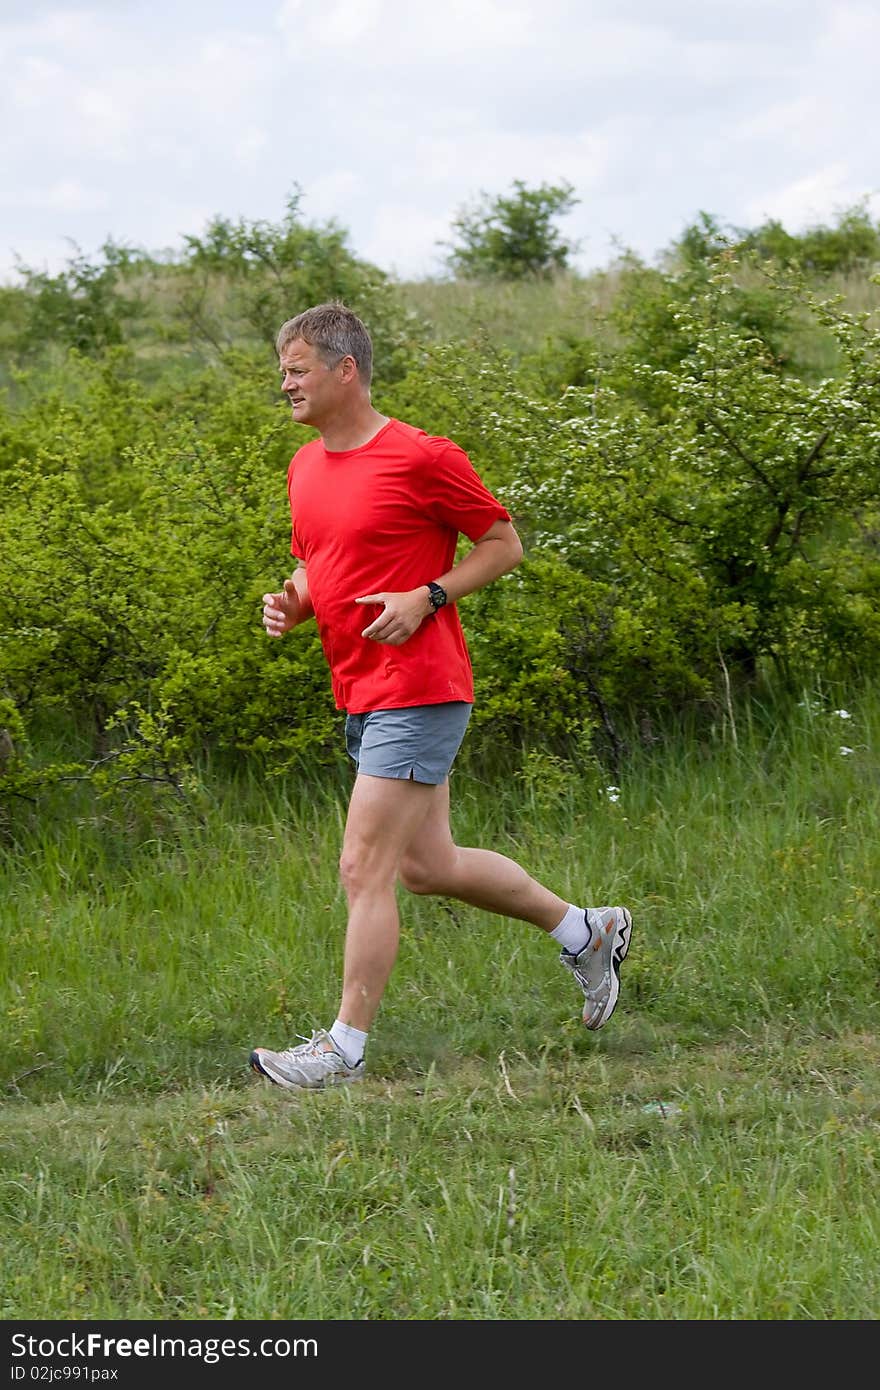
(351, 1042)
(573, 932)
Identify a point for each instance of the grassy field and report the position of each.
(713, 1153)
(521, 316)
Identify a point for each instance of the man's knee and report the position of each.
(419, 876)
(352, 869)
(360, 870)
(414, 876)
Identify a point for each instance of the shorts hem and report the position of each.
(390, 743)
(411, 772)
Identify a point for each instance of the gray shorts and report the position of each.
(417, 743)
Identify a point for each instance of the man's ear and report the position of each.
(348, 368)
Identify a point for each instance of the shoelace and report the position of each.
(585, 984)
(296, 1052)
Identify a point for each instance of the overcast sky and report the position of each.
(139, 120)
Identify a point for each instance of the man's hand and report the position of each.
(402, 615)
(282, 611)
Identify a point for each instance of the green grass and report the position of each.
(523, 316)
(518, 315)
(712, 1153)
(524, 1187)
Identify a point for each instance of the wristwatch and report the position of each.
(436, 595)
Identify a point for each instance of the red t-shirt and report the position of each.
(385, 518)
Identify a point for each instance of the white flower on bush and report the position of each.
(843, 714)
(844, 751)
(613, 793)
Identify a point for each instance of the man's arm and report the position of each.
(290, 607)
(496, 553)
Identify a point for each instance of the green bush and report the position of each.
(852, 244)
(513, 237)
(676, 546)
(695, 513)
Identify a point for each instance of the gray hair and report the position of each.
(334, 332)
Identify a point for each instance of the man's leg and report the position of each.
(433, 863)
(594, 940)
(382, 815)
(399, 827)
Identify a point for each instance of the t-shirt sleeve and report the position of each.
(457, 495)
(296, 546)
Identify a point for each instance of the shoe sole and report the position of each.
(620, 945)
(262, 1069)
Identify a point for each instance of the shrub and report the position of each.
(513, 237)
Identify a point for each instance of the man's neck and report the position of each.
(352, 432)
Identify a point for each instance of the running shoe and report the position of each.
(597, 967)
(316, 1063)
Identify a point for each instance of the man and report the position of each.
(377, 507)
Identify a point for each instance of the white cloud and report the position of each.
(67, 195)
(787, 120)
(816, 198)
(339, 22)
(495, 158)
(396, 31)
(33, 83)
(126, 120)
(851, 24)
(249, 144)
(328, 192)
(403, 239)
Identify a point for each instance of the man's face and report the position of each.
(312, 387)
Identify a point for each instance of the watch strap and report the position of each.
(436, 595)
